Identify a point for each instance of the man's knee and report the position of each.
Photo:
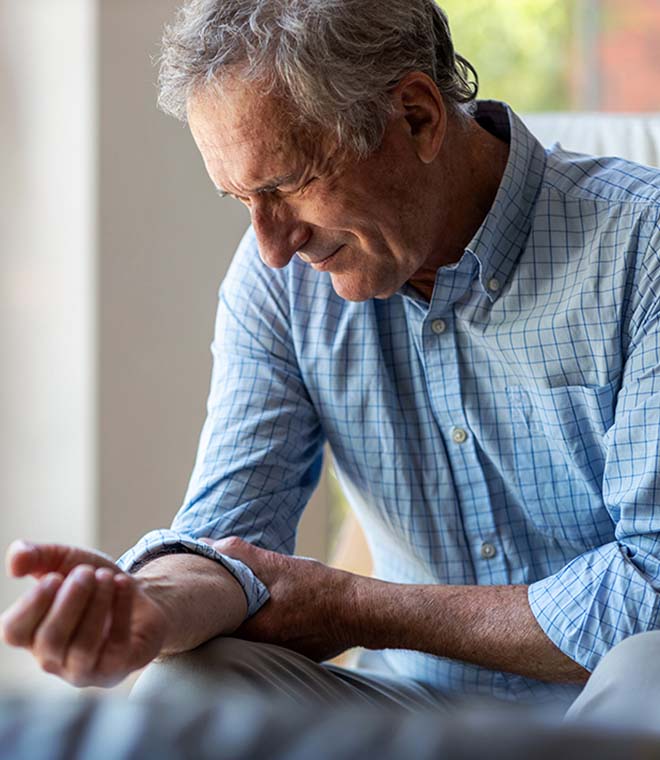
(635, 659)
(625, 686)
(218, 664)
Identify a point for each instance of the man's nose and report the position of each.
(279, 233)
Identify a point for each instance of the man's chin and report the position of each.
(352, 288)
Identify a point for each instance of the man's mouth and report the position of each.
(321, 264)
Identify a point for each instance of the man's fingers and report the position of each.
(61, 621)
(259, 560)
(116, 658)
(120, 630)
(87, 641)
(20, 621)
(232, 546)
(26, 558)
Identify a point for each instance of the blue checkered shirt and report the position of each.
(507, 432)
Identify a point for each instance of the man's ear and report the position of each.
(418, 102)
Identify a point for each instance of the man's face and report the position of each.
(361, 221)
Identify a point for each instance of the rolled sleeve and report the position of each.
(595, 601)
(160, 542)
(612, 592)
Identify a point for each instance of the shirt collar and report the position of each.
(497, 244)
(502, 235)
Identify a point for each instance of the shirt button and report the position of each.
(488, 551)
(438, 326)
(493, 284)
(458, 435)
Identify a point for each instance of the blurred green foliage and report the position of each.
(521, 49)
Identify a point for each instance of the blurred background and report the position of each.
(113, 244)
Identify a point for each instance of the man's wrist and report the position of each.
(200, 597)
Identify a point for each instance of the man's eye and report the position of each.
(240, 198)
(303, 188)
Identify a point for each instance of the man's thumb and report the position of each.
(25, 558)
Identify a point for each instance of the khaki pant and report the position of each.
(225, 666)
(623, 691)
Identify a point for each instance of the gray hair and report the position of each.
(334, 62)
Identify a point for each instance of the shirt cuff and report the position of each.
(160, 542)
(593, 603)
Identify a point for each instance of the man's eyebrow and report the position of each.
(268, 187)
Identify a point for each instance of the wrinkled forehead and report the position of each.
(239, 110)
(246, 136)
(234, 123)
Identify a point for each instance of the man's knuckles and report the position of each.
(232, 545)
(81, 577)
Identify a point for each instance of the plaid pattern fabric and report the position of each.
(507, 432)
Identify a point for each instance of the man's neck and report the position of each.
(468, 173)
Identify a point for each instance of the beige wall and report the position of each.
(112, 247)
(164, 243)
(47, 443)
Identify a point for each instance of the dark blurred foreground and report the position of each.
(246, 727)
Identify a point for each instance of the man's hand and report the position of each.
(320, 611)
(84, 620)
(310, 605)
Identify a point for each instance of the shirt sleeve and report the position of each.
(613, 592)
(260, 451)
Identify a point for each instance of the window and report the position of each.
(556, 55)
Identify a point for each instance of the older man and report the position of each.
(469, 320)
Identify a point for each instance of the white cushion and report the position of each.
(632, 136)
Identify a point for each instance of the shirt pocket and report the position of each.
(559, 454)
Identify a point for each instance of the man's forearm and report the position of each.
(201, 598)
(492, 626)
(320, 610)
